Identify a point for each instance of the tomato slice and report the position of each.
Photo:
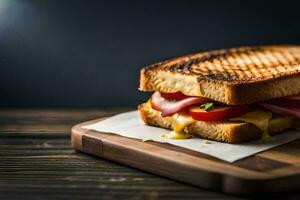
(219, 113)
(290, 102)
(174, 96)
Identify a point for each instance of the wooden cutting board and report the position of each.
(274, 170)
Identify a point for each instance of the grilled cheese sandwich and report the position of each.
(224, 95)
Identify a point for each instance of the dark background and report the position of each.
(88, 53)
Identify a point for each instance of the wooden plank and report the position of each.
(43, 165)
(285, 153)
(252, 175)
(261, 164)
(46, 121)
(71, 174)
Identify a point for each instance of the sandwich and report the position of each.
(231, 95)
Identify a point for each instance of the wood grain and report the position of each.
(253, 175)
(42, 164)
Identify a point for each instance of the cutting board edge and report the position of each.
(221, 182)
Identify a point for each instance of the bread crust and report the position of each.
(234, 76)
(230, 132)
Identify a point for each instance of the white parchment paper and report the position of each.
(130, 125)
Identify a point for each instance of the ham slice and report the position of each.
(169, 107)
(295, 112)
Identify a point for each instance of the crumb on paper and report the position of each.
(205, 142)
(146, 139)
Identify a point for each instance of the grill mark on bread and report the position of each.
(280, 59)
(289, 57)
(249, 64)
(231, 71)
(295, 56)
(271, 64)
(184, 67)
(237, 65)
(235, 72)
(255, 61)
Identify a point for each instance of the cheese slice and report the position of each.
(179, 122)
(260, 118)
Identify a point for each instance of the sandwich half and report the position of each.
(232, 95)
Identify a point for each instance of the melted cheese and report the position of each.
(260, 118)
(179, 122)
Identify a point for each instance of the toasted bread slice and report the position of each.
(233, 76)
(230, 132)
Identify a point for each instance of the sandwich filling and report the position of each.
(185, 110)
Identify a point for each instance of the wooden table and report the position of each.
(37, 162)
